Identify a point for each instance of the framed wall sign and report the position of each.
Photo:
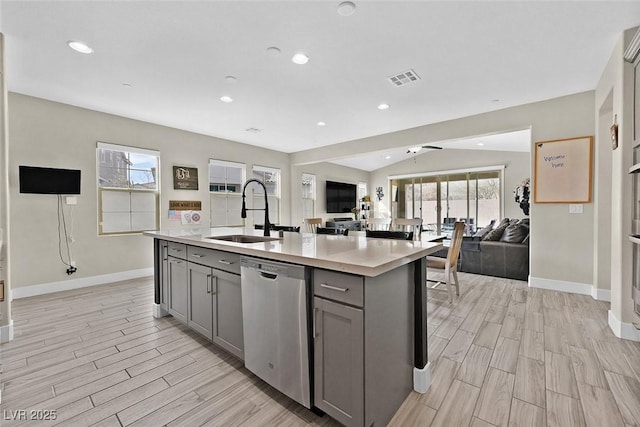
(185, 178)
(563, 170)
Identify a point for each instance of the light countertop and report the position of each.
(356, 255)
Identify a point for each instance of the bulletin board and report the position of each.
(563, 170)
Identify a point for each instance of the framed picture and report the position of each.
(563, 170)
(185, 178)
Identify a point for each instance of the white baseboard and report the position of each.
(601, 294)
(6, 332)
(422, 378)
(83, 282)
(623, 330)
(571, 287)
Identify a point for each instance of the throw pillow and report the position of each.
(483, 231)
(515, 233)
(495, 234)
(526, 240)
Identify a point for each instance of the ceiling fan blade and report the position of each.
(433, 147)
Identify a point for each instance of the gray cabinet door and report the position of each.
(164, 275)
(200, 294)
(177, 275)
(227, 320)
(339, 361)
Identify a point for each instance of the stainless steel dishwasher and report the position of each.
(276, 326)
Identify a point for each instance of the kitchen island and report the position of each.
(363, 329)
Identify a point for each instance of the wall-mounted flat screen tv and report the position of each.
(341, 197)
(37, 180)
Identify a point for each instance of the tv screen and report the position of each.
(36, 180)
(341, 197)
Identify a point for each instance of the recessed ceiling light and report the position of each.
(300, 58)
(230, 79)
(79, 46)
(346, 8)
(226, 98)
(383, 106)
(273, 51)
(387, 157)
(321, 124)
(480, 144)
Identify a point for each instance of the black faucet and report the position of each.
(243, 213)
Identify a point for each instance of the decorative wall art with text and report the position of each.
(185, 178)
(563, 170)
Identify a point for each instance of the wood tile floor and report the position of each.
(502, 354)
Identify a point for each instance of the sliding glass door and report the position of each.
(442, 199)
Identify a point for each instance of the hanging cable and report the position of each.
(62, 229)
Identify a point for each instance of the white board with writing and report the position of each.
(563, 170)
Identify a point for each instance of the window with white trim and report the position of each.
(271, 179)
(128, 190)
(225, 188)
(308, 193)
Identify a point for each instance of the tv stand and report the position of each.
(345, 225)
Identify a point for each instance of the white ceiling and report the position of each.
(508, 141)
(472, 57)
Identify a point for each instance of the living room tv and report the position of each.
(341, 197)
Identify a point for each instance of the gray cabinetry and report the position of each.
(339, 361)
(177, 288)
(356, 316)
(200, 307)
(203, 290)
(227, 312)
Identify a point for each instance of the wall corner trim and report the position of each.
(623, 330)
(83, 282)
(571, 287)
(6, 332)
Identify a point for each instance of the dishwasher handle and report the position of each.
(268, 275)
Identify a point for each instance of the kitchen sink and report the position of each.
(241, 238)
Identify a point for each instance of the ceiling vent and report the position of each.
(253, 130)
(403, 78)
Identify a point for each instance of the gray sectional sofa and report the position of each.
(500, 252)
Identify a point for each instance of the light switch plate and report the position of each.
(575, 209)
(71, 200)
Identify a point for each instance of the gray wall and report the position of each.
(45, 133)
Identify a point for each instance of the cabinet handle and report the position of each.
(225, 262)
(197, 255)
(176, 250)
(214, 287)
(172, 261)
(209, 283)
(334, 288)
(315, 310)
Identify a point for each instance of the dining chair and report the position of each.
(378, 223)
(312, 224)
(408, 224)
(448, 265)
(386, 234)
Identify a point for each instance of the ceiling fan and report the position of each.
(414, 150)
